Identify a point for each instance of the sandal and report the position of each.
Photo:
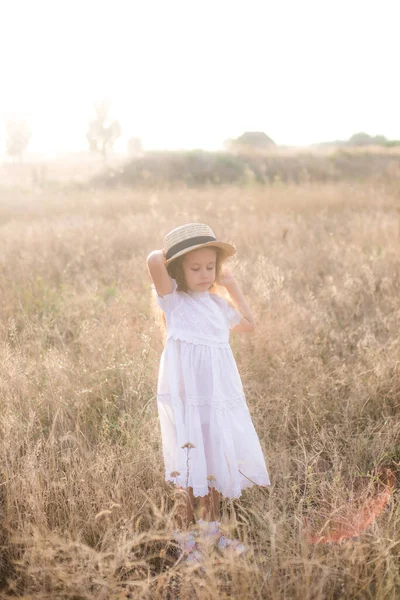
(186, 540)
(194, 556)
(224, 543)
(210, 530)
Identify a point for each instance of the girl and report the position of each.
(209, 442)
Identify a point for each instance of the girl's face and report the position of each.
(199, 268)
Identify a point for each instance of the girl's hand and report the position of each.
(226, 277)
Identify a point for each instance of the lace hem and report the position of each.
(236, 492)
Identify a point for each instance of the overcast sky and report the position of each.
(190, 74)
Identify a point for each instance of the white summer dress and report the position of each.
(200, 399)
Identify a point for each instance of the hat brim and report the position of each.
(228, 250)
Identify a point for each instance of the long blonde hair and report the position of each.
(175, 270)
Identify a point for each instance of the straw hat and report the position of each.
(188, 237)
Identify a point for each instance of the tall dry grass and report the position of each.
(85, 510)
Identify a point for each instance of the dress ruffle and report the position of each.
(200, 340)
(211, 442)
(232, 494)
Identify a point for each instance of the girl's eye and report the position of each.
(195, 269)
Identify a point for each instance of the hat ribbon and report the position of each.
(194, 241)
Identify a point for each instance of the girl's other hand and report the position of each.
(226, 277)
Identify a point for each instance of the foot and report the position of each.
(225, 543)
(195, 556)
(186, 540)
(209, 529)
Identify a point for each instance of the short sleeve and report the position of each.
(231, 314)
(169, 301)
(234, 316)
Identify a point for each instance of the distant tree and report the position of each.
(364, 139)
(250, 140)
(102, 133)
(134, 146)
(360, 139)
(392, 143)
(18, 135)
(380, 140)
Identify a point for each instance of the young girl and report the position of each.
(209, 442)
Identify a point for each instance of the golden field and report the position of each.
(85, 511)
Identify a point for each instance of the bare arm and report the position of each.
(158, 272)
(229, 282)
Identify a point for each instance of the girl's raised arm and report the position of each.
(158, 272)
(228, 280)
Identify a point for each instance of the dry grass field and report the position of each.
(85, 513)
